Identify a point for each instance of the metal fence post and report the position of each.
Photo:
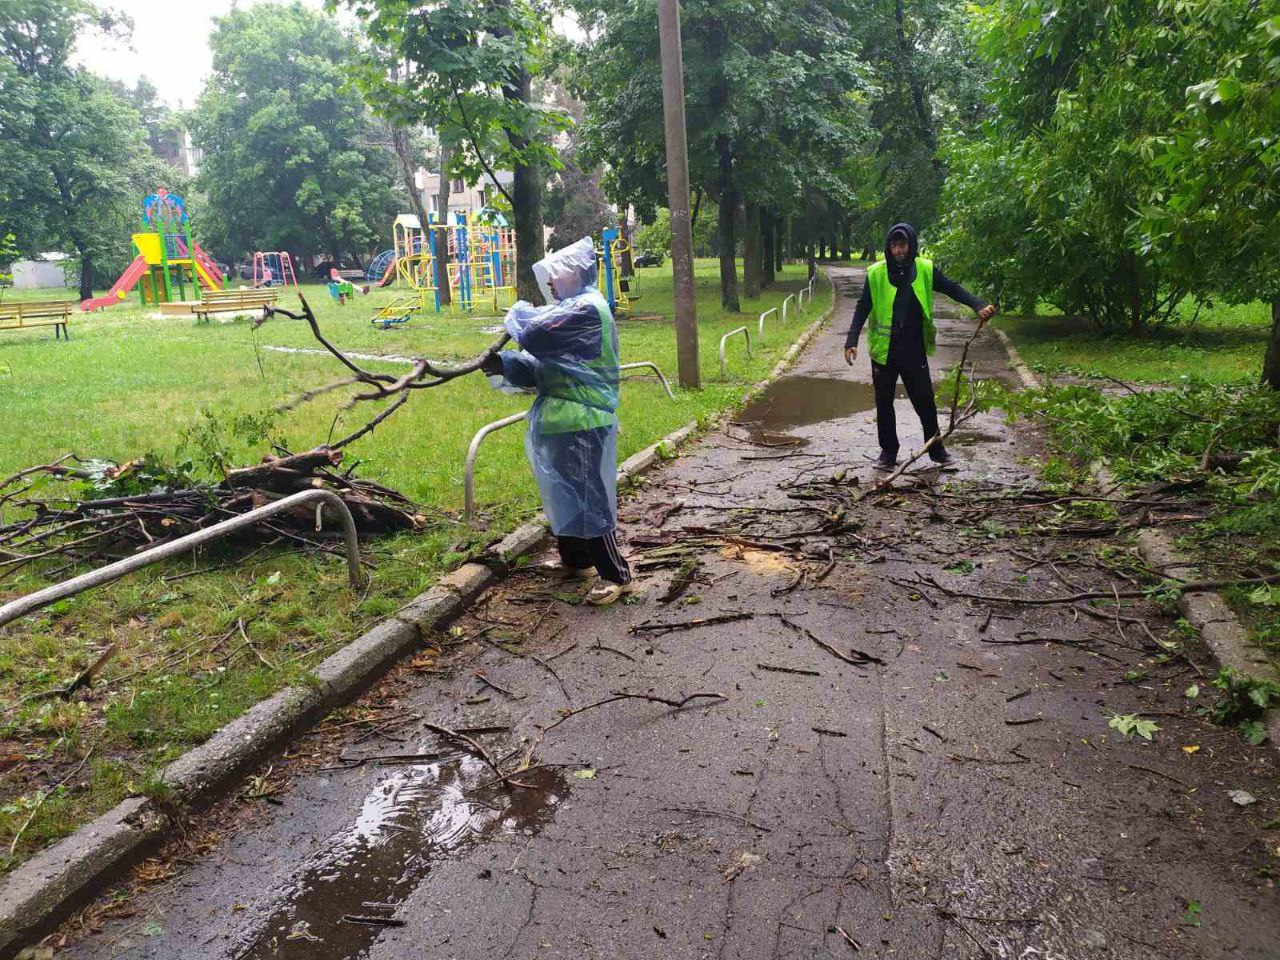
(724, 365)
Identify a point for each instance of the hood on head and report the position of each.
(913, 245)
(573, 267)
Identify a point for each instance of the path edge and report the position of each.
(1224, 635)
(49, 887)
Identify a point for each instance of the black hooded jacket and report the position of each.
(906, 342)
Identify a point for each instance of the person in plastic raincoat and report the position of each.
(569, 355)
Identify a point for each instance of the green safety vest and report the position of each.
(570, 404)
(882, 294)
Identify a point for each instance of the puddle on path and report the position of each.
(414, 819)
(799, 401)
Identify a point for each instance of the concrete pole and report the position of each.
(678, 192)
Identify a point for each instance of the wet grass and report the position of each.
(200, 640)
(1223, 344)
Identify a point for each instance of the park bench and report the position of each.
(21, 314)
(235, 301)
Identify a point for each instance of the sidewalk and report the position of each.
(880, 770)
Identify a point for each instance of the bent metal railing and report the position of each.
(724, 363)
(469, 474)
(96, 578)
(469, 471)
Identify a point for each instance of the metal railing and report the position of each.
(96, 578)
(790, 297)
(760, 328)
(469, 471)
(654, 367)
(469, 474)
(724, 364)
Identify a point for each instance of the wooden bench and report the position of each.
(21, 314)
(235, 301)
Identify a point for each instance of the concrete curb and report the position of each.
(51, 885)
(1208, 612)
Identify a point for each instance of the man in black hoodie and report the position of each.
(898, 298)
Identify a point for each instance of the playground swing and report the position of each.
(274, 268)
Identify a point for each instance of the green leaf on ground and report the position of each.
(1129, 724)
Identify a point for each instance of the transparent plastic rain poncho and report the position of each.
(569, 356)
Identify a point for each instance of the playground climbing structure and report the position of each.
(166, 259)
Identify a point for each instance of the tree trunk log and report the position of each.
(767, 234)
(751, 251)
(728, 228)
(442, 235)
(1271, 364)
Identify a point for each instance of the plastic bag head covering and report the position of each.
(573, 269)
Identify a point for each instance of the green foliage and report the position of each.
(293, 159)
(8, 253)
(1129, 724)
(1243, 701)
(73, 158)
(1042, 205)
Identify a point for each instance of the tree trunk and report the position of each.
(780, 243)
(809, 258)
(1271, 365)
(767, 233)
(868, 252)
(728, 229)
(526, 199)
(86, 274)
(751, 251)
(442, 235)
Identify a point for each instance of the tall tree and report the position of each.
(1221, 158)
(73, 156)
(1042, 203)
(775, 98)
(465, 68)
(293, 159)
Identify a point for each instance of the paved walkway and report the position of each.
(955, 794)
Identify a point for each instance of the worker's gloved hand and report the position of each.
(987, 312)
(491, 365)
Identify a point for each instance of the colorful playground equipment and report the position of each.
(482, 261)
(166, 258)
(273, 268)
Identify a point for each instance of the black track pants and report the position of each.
(919, 386)
(599, 552)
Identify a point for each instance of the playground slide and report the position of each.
(388, 275)
(132, 274)
(214, 279)
(205, 279)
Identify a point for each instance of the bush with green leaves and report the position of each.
(1243, 701)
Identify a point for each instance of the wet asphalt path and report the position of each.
(964, 799)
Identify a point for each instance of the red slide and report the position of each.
(132, 274)
(210, 267)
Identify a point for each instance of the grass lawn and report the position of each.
(202, 639)
(1225, 344)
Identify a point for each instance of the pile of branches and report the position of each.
(76, 511)
(81, 511)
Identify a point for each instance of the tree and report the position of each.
(1221, 159)
(73, 157)
(775, 99)
(1048, 193)
(293, 159)
(465, 68)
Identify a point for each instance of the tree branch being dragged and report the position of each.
(423, 374)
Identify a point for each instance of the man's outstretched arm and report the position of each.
(944, 284)
(860, 314)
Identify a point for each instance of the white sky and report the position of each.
(170, 45)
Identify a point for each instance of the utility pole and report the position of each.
(678, 192)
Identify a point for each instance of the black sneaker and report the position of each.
(941, 456)
(885, 463)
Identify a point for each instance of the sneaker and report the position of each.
(560, 572)
(605, 592)
(885, 463)
(941, 456)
